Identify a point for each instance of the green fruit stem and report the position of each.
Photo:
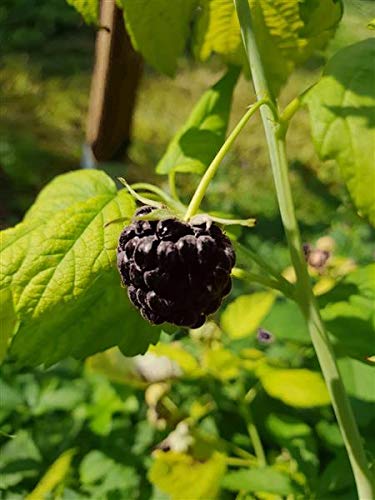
(304, 293)
(212, 169)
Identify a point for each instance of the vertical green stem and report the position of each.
(305, 297)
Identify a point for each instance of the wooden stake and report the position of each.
(116, 76)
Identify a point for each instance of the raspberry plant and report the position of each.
(59, 286)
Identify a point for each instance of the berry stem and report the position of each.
(214, 165)
(246, 253)
(172, 185)
(262, 280)
(304, 295)
(159, 192)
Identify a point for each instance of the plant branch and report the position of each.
(263, 280)
(212, 168)
(253, 434)
(247, 252)
(305, 297)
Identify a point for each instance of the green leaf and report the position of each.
(348, 308)
(89, 9)
(11, 398)
(59, 266)
(159, 29)
(358, 378)
(286, 427)
(265, 479)
(19, 459)
(301, 388)
(8, 321)
(371, 24)
(197, 142)
(297, 437)
(330, 434)
(342, 112)
(278, 322)
(244, 314)
(101, 475)
(288, 33)
(337, 476)
(181, 476)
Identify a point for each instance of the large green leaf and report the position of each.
(181, 476)
(59, 267)
(262, 480)
(342, 112)
(288, 33)
(196, 143)
(348, 312)
(301, 388)
(159, 29)
(89, 9)
(244, 314)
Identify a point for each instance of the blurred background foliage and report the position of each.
(111, 428)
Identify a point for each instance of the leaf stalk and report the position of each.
(214, 165)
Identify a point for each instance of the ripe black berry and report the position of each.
(175, 271)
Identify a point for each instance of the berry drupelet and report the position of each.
(175, 271)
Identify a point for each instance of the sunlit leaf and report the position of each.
(89, 9)
(197, 142)
(181, 476)
(342, 112)
(288, 33)
(221, 363)
(245, 314)
(301, 388)
(188, 364)
(59, 266)
(8, 321)
(159, 29)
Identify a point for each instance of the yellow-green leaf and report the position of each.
(244, 315)
(53, 477)
(221, 363)
(59, 266)
(342, 113)
(301, 388)
(183, 477)
(187, 362)
(288, 33)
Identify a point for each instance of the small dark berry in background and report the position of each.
(264, 337)
(175, 272)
